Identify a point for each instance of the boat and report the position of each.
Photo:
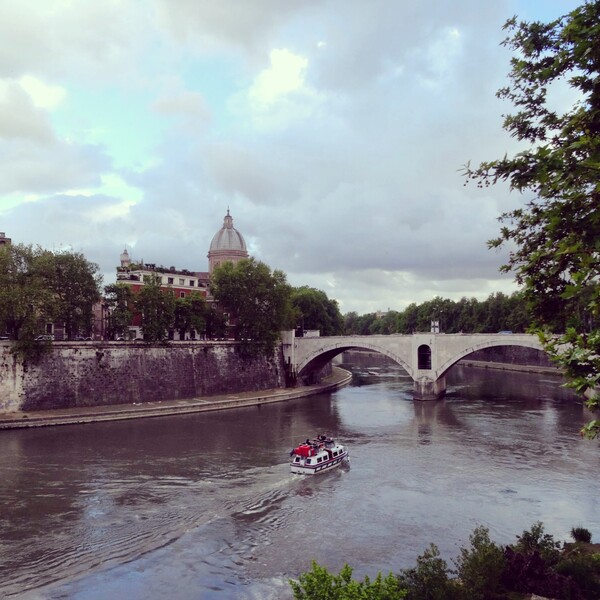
(317, 455)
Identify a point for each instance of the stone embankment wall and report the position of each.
(97, 374)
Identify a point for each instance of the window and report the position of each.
(182, 294)
(170, 280)
(181, 281)
(308, 461)
(192, 282)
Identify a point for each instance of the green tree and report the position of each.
(256, 300)
(157, 309)
(429, 579)
(119, 301)
(38, 286)
(320, 584)
(25, 299)
(190, 314)
(555, 236)
(75, 284)
(314, 310)
(479, 567)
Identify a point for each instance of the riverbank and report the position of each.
(499, 366)
(119, 412)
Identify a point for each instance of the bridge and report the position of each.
(426, 357)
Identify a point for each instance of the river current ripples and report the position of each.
(203, 506)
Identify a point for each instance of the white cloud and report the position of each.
(284, 76)
(333, 130)
(43, 95)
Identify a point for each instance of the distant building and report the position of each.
(4, 241)
(227, 245)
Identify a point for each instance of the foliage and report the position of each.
(319, 584)
(533, 565)
(498, 312)
(216, 323)
(118, 299)
(584, 570)
(314, 310)
(555, 236)
(535, 540)
(532, 574)
(39, 287)
(480, 566)
(157, 309)
(190, 314)
(581, 534)
(429, 579)
(74, 283)
(25, 300)
(257, 301)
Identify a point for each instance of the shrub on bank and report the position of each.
(534, 564)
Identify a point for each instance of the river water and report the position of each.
(204, 506)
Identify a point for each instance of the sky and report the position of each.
(333, 130)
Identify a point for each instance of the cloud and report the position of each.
(19, 117)
(334, 131)
(41, 94)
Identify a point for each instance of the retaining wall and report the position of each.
(97, 374)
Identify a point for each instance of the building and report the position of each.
(4, 241)
(227, 245)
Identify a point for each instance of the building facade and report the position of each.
(227, 245)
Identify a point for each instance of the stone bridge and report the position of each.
(426, 357)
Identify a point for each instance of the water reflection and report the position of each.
(205, 504)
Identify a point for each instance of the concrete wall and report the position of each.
(96, 374)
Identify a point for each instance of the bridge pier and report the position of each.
(429, 389)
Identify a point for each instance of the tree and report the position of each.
(319, 584)
(25, 299)
(555, 236)
(119, 301)
(157, 309)
(38, 286)
(314, 310)
(75, 284)
(190, 314)
(256, 300)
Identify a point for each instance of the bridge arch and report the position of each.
(532, 343)
(317, 359)
(426, 357)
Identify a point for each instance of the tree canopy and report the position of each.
(314, 310)
(118, 298)
(256, 300)
(157, 309)
(555, 236)
(38, 286)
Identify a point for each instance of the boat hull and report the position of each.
(301, 468)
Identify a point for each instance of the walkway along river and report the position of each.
(202, 506)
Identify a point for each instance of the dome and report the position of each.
(228, 237)
(227, 245)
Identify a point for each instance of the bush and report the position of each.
(319, 584)
(429, 579)
(480, 567)
(531, 574)
(535, 540)
(581, 534)
(584, 570)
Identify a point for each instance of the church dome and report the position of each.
(228, 237)
(227, 245)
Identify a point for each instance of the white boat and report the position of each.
(316, 456)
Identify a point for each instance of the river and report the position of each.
(203, 506)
